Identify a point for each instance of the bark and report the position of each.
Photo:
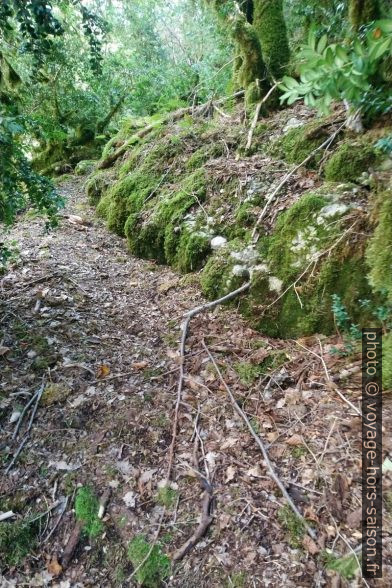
(250, 71)
(270, 26)
(361, 12)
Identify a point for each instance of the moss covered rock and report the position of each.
(85, 167)
(298, 143)
(349, 161)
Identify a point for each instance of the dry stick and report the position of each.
(257, 114)
(291, 173)
(65, 504)
(331, 383)
(259, 442)
(27, 406)
(205, 521)
(39, 395)
(184, 329)
(18, 451)
(72, 542)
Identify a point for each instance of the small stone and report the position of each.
(240, 270)
(218, 242)
(31, 354)
(292, 123)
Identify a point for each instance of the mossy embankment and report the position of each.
(187, 194)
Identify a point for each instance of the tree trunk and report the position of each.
(361, 12)
(270, 26)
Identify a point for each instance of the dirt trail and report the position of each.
(78, 311)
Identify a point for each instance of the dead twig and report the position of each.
(18, 452)
(259, 442)
(25, 409)
(184, 333)
(52, 531)
(257, 114)
(331, 384)
(205, 521)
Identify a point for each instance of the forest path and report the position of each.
(100, 330)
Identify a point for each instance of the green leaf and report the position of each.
(379, 49)
(385, 25)
(322, 44)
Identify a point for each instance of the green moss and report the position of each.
(204, 154)
(298, 143)
(157, 234)
(17, 540)
(217, 278)
(379, 252)
(156, 568)
(387, 362)
(349, 161)
(269, 22)
(346, 566)
(97, 185)
(293, 525)
(86, 511)
(167, 496)
(85, 167)
(193, 249)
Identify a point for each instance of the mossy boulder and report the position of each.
(97, 185)
(85, 167)
(296, 269)
(349, 161)
(298, 143)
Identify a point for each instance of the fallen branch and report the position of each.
(172, 117)
(18, 452)
(184, 333)
(71, 545)
(205, 521)
(259, 442)
(256, 116)
(27, 406)
(326, 143)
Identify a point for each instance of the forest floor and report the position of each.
(98, 331)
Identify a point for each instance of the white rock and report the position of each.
(15, 416)
(218, 242)
(275, 284)
(331, 210)
(292, 123)
(240, 270)
(130, 499)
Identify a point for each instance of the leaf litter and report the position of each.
(104, 337)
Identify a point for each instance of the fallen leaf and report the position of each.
(294, 440)
(230, 474)
(353, 519)
(103, 371)
(255, 472)
(54, 567)
(310, 545)
(281, 403)
(4, 350)
(139, 365)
